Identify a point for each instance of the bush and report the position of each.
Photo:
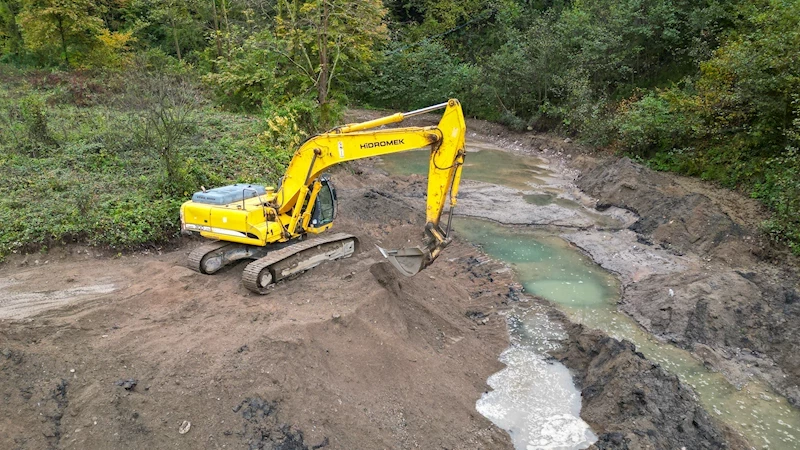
(106, 183)
(418, 76)
(780, 191)
(166, 116)
(650, 125)
(287, 126)
(248, 80)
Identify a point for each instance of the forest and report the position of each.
(113, 112)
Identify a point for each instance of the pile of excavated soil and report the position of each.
(633, 403)
(125, 352)
(737, 304)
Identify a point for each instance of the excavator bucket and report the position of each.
(409, 261)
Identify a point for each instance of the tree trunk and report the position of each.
(63, 39)
(175, 36)
(322, 85)
(227, 30)
(13, 28)
(216, 28)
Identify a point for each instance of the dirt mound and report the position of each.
(633, 403)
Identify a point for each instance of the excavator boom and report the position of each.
(363, 140)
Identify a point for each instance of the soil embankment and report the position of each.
(634, 403)
(736, 301)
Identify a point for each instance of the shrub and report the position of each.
(418, 76)
(650, 125)
(34, 117)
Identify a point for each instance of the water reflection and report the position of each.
(490, 166)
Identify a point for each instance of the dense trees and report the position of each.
(72, 30)
(312, 48)
(708, 88)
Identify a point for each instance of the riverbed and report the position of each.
(519, 209)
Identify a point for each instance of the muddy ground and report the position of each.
(636, 403)
(735, 302)
(102, 351)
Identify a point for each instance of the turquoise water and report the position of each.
(552, 270)
(487, 165)
(550, 267)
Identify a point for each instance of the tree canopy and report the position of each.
(709, 88)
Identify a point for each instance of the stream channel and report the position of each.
(534, 399)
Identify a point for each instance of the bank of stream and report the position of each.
(533, 398)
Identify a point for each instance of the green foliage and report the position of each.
(650, 125)
(177, 28)
(250, 78)
(11, 43)
(780, 191)
(72, 29)
(287, 126)
(34, 118)
(550, 64)
(100, 185)
(312, 47)
(418, 76)
(525, 70)
(736, 123)
(166, 107)
(322, 38)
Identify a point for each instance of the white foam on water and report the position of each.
(534, 399)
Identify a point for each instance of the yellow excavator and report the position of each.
(273, 227)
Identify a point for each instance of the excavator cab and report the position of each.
(325, 206)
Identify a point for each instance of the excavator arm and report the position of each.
(363, 140)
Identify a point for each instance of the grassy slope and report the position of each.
(74, 169)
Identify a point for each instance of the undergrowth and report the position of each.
(99, 159)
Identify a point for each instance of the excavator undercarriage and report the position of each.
(274, 263)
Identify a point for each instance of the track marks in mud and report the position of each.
(19, 305)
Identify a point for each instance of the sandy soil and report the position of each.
(104, 352)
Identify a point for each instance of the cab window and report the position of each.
(325, 207)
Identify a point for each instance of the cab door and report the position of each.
(325, 207)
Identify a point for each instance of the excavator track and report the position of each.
(209, 259)
(196, 256)
(260, 274)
